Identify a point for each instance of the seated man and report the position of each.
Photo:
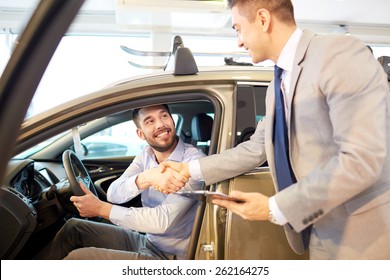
(167, 220)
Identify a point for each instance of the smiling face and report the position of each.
(157, 127)
(263, 27)
(251, 28)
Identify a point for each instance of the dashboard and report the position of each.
(35, 203)
(30, 182)
(29, 205)
(30, 178)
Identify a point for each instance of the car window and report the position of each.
(250, 109)
(31, 151)
(120, 140)
(260, 92)
(208, 142)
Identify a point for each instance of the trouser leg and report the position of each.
(77, 233)
(93, 253)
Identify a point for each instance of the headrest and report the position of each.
(201, 126)
(385, 62)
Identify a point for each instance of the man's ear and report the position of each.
(140, 134)
(264, 18)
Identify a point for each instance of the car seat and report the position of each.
(202, 126)
(385, 62)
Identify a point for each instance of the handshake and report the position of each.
(172, 176)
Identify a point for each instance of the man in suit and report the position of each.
(337, 119)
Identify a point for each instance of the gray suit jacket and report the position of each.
(339, 137)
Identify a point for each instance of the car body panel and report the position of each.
(242, 235)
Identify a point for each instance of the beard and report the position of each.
(163, 147)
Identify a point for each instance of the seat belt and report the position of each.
(78, 148)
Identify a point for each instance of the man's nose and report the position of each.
(159, 123)
(240, 43)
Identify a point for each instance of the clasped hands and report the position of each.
(173, 176)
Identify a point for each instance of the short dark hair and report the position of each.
(135, 113)
(282, 9)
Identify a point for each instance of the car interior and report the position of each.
(39, 180)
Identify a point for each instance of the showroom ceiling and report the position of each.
(368, 20)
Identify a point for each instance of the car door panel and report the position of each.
(225, 235)
(260, 240)
(104, 171)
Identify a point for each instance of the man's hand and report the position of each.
(89, 205)
(180, 167)
(254, 205)
(165, 180)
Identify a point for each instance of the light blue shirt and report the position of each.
(167, 220)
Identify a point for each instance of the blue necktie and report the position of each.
(284, 174)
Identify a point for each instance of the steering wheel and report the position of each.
(76, 172)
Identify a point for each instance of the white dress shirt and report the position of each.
(285, 61)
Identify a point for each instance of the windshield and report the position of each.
(29, 152)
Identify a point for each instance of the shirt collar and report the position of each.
(176, 155)
(286, 58)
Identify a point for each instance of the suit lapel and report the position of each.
(296, 71)
(299, 57)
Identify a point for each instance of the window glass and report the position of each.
(35, 149)
(84, 64)
(250, 109)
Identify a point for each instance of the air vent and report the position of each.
(18, 194)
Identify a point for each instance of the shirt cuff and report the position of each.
(279, 218)
(118, 194)
(195, 172)
(117, 214)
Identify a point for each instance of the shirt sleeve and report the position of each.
(195, 171)
(280, 219)
(154, 220)
(124, 188)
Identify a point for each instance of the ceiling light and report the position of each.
(172, 13)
